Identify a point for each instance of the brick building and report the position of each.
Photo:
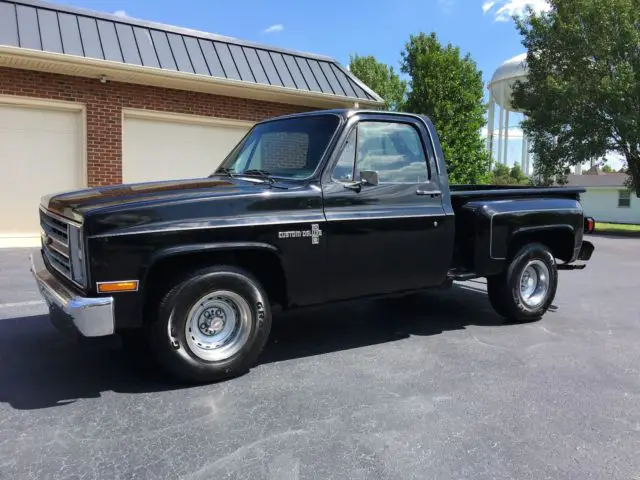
(90, 99)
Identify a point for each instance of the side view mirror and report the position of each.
(369, 177)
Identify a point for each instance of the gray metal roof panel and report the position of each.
(282, 70)
(211, 57)
(294, 70)
(331, 78)
(109, 41)
(70, 33)
(128, 44)
(90, 37)
(319, 76)
(145, 46)
(307, 74)
(269, 68)
(226, 60)
(49, 30)
(28, 29)
(39, 25)
(8, 25)
(256, 65)
(180, 54)
(195, 54)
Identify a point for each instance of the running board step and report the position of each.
(566, 266)
(461, 276)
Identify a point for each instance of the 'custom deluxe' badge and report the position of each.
(315, 233)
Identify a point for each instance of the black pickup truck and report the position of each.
(307, 209)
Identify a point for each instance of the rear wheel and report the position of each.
(525, 291)
(212, 325)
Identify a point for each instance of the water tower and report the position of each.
(500, 89)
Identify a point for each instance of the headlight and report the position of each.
(76, 254)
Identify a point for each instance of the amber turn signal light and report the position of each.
(115, 287)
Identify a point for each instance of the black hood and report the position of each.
(180, 204)
(80, 203)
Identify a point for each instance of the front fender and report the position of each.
(180, 250)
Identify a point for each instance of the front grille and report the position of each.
(55, 242)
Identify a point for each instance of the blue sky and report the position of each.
(338, 28)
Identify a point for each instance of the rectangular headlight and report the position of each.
(76, 255)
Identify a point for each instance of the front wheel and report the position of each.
(212, 325)
(525, 291)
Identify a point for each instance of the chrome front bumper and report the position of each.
(69, 312)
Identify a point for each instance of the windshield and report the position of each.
(290, 148)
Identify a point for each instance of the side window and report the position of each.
(624, 199)
(343, 170)
(394, 150)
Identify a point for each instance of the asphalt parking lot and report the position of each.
(429, 387)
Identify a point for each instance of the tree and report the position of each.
(448, 88)
(381, 79)
(606, 169)
(582, 94)
(503, 175)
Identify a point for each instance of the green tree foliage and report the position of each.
(606, 169)
(448, 87)
(503, 175)
(381, 79)
(582, 95)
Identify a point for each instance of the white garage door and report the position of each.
(166, 149)
(40, 153)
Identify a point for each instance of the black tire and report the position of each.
(504, 289)
(170, 345)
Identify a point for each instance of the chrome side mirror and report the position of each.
(369, 177)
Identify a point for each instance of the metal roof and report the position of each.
(37, 25)
(597, 180)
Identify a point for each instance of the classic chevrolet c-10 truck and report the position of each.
(307, 209)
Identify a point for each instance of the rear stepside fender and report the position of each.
(503, 226)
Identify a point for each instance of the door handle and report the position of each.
(431, 193)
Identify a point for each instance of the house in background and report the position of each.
(607, 199)
(90, 99)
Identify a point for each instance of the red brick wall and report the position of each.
(104, 104)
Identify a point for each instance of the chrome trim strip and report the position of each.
(384, 217)
(538, 210)
(56, 248)
(234, 222)
(59, 218)
(137, 282)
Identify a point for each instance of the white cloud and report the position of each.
(504, 10)
(488, 5)
(274, 28)
(120, 13)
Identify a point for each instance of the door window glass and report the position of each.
(394, 150)
(343, 171)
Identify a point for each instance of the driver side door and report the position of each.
(382, 238)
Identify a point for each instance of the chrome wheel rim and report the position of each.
(534, 283)
(218, 325)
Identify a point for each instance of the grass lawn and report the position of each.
(617, 227)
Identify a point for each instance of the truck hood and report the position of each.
(78, 204)
(136, 208)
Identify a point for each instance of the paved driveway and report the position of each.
(431, 388)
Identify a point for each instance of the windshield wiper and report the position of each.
(254, 172)
(226, 171)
